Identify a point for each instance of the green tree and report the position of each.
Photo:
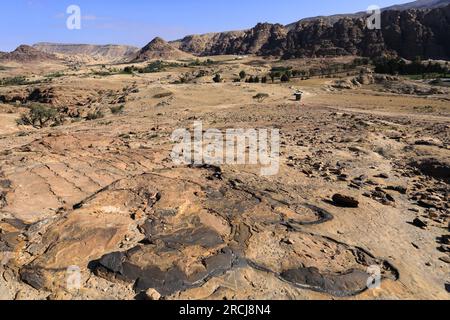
(272, 76)
(217, 78)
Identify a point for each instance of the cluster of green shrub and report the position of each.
(14, 81)
(256, 79)
(103, 73)
(94, 115)
(57, 74)
(40, 116)
(416, 67)
(286, 73)
(260, 97)
(163, 95)
(217, 78)
(152, 67)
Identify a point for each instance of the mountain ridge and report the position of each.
(25, 53)
(412, 29)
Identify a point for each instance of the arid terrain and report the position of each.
(104, 195)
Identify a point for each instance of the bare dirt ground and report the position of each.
(105, 196)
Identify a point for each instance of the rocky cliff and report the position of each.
(407, 33)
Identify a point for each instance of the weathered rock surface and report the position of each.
(409, 34)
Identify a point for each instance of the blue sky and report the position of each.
(136, 22)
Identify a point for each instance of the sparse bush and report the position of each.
(163, 95)
(153, 67)
(217, 78)
(40, 116)
(55, 75)
(198, 63)
(97, 114)
(242, 74)
(264, 79)
(201, 73)
(101, 73)
(399, 66)
(274, 75)
(117, 109)
(260, 97)
(182, 79)
(280, 70)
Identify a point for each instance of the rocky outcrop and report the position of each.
(264, 37)
(408, 33)
(159, 49)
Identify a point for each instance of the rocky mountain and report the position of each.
(25, 54)
(109, 52)
(264, 37)
(160, 49)
(408, 33)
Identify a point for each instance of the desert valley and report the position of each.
(87, 183)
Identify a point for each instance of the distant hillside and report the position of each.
(113, 53)
(24, 54)
(419, 5)
(160, 49)
(423, 31)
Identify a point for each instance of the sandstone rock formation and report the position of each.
(409, 34)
